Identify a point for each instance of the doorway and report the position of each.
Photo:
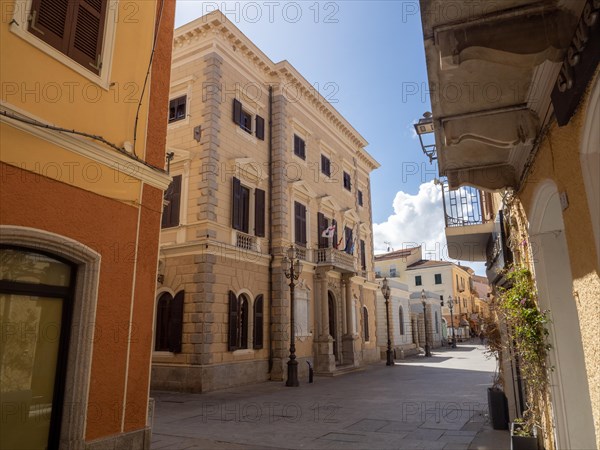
(332, 323)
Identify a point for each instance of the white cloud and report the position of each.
(418, 220)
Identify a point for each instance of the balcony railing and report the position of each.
(466, 206)
(333, 257)
(246, 241)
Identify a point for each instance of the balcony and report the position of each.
(469, 222)
(246, 241)
(335, 259)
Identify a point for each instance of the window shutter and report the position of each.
(85, 42)
(259, 213)
(50, 21)
(300, 223)
(322, 225)
(237, 111)
(162, 323)
(233, 322)
(260, 128)
(236, 211)
(335, 233)
(176, 323)
(348, 233)
(363, 256)
(175, 201)
(366, 323)
(258, 322)
(243, 330)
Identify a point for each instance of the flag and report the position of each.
(328, 232)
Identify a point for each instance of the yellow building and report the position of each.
(524, 125)
(82, 179)
(255, 171)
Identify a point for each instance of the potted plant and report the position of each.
(497, 403)
(526, 328)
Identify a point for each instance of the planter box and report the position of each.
(523, 442)
(498, 409)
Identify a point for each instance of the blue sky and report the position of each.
(367, 58)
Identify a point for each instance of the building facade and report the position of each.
(533, 147)
(80, 207)
(261, 162)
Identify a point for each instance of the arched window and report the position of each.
(169, 322)
(401, 319)
(437, 324)
(239, 318)
(365, 324)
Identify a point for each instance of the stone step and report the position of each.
(340, 370)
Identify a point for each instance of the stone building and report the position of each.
(81, 187)
(525, 140)
(260, 161)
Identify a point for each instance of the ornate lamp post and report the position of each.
(385, 290)
(292, 273)
(451, 305)
(424, 301)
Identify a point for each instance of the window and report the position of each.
(37, 299)
(243, 118)
(259, 212)
(170, 217)
(347, 181)
(360, 198)
(241, 207)
(76, 29)
(300, 224)
(392, 271)
(322, 226)
(299, 147)
(258, 322)
(169, 322)
(363, 255)
(365, 324)
(377, 274)
(177, 108)
(238, 322)
(437, 325)
(349, 247)
(418, 280)
(325, 165)
(438, 278)
(401, 320)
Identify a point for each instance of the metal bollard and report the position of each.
(311, 372)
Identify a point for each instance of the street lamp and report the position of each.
(385, 290)
(451, 305)
(424, 301)
(292, 273)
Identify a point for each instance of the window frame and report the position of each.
(297, 140)
(347, 180)
(418, 280)
(325, 165)
(168, 208)
(436, 277)
(401, 320)
(19, 25)
(366, 331)
(185, 108)
(299, 234)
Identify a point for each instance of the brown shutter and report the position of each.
(300, 223)
(175, 201)
(348, 235)
(363, 256)
(233, 322)
(50, 21)
(85, 41)
(236, 210)
(335, 234)
(162, 323)
(258, 322)
(237, 111)
(322, 224)
(366, 323)
(260, 128)
(259, 213)
(243, 330)
(176, 322)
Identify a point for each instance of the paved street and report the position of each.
(428, 403)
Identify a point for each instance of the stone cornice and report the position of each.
(218, 26)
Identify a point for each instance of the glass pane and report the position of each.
(29, 267)
(30, 328)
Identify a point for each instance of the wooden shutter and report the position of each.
(260, 128)
(300, 223)
(162, 323)
(259, 213)
(258, 322)
(245, 209)
(50, 21)
(237, 111)
(170, 216)
(176, 322)
(85, 43)
(322, 225)
(366, 323)
(232, 339)
(363, 256)
(335, 233)
(236, 210)
(348, 234)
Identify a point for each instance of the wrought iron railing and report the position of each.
(466, 206)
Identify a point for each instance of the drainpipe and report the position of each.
(270, 203)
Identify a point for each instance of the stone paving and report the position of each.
(420, 403)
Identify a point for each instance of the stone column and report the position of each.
(324, 359)
(350, 339)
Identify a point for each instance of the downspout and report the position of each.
(270, 203)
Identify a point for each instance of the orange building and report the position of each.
(83, 117)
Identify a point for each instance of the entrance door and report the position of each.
(332, 323)
(35, 315)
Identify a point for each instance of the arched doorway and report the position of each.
(569, 385)
(332, 323)
(36, 301)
